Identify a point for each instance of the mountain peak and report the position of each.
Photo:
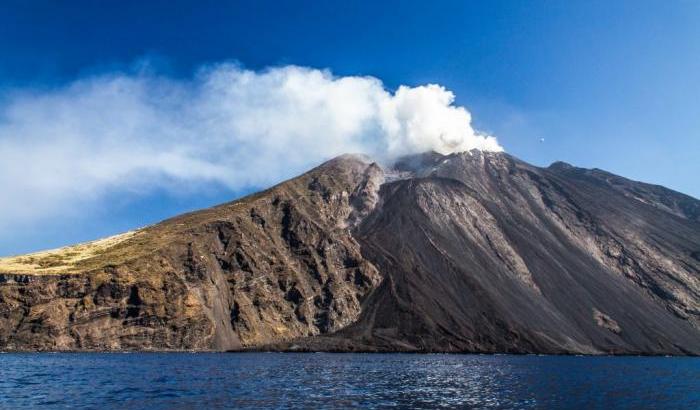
(466, 252)
(560, 165)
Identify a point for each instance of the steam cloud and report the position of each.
(227, 125)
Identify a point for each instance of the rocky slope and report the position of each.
(475, 252)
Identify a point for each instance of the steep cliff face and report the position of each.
(275, 266)
(466, 252)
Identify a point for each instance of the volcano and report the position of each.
(467, 252)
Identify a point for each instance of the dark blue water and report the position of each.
(320, 380)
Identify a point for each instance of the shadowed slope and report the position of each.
(486, 253)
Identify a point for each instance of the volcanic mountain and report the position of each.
(467, 252)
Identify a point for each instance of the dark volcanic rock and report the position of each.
(469, 252)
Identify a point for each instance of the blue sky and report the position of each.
(613, 85)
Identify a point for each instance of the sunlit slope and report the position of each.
(70, 259)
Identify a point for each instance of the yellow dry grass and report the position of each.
(61, 260)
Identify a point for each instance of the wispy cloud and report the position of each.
(226, 125)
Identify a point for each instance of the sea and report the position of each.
(336, 381)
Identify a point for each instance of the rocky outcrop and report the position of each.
(275, 266)
(469, 252)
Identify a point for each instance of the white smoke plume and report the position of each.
(64, 147)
